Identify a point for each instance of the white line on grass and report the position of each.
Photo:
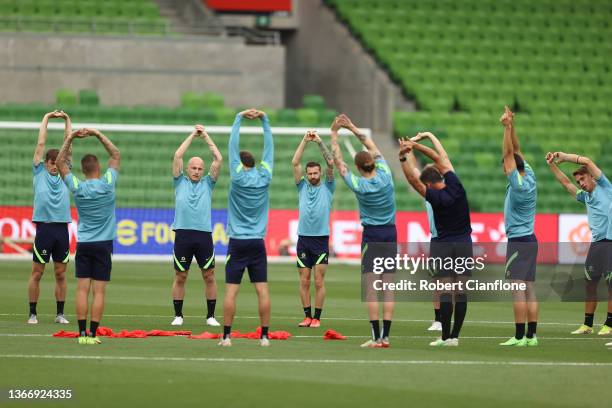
(300, 317)
(310, 361)
(358, 337)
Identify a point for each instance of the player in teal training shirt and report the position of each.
(51, 216)
(94, 198)
(374, 191)
(247, 220)
(315, 204)
(192, 224)
(596, 193)
(522, 247)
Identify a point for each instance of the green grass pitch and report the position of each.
(564, 371)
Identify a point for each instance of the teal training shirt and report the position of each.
(376, 196)
(193, 203)
(95, 203)
(598, 203)
(520, 203)
(431, 220)
(315, 203)
(248, 200)
(51, 196)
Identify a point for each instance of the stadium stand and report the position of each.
(116, 17)
(462, 61)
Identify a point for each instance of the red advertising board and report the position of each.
(260, 6)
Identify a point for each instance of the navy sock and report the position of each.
(446, 314)
(264, 332)
(60, 307)
(210, 307)
(460, 312)
(318, 312)
(386, 328)
(531, 329)
(519, 331)
(375, 329)
(227, 330)
(588, 319)
(178, 307)
(609, 320)
(32, 308)
(437, 314)
(82, 328)
(308, 311)
(93, 328)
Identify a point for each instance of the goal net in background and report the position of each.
(145, 194)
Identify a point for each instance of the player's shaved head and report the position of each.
(365, 162)
(195, 168)
(90, 165)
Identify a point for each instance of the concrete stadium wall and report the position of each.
(140, 71)
(323, 58)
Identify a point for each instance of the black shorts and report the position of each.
(51, 241)
(446, 254)
(378, 242)
(249, 254)
(312, 251)
(190, 243)
(522, 258)
(599, 261)
(93, 260)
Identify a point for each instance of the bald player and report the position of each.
(192, 224)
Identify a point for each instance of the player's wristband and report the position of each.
(403, 159)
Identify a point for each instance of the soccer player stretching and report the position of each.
(436, 325)
(192, 224)
(441, 187)
(596, 193)
(247, 222)
(51, 216)
(374, 191)
(522, 247)
(94, 198)
(315, 202)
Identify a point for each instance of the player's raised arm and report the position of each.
(234, 140)
(61, 161)
(177, 160)
(67, 132)
(561, 157)
(326, 155)
(507, 145)
(435, 142)
(268, 153)
(337, 154)
(297, 157)
(369, 144)
(560, 176)
(114, 160)
(409, 167)
(39, 150)
(442, 162)
(215, 166)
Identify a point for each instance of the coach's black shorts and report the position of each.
(521, 258)
(312, 251)
(190, 243)
(599, 261)
(449, 256)
(94, 260)
(51, 241)
(249, 254)
(378, 242)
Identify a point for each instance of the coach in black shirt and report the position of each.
(441, 187)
